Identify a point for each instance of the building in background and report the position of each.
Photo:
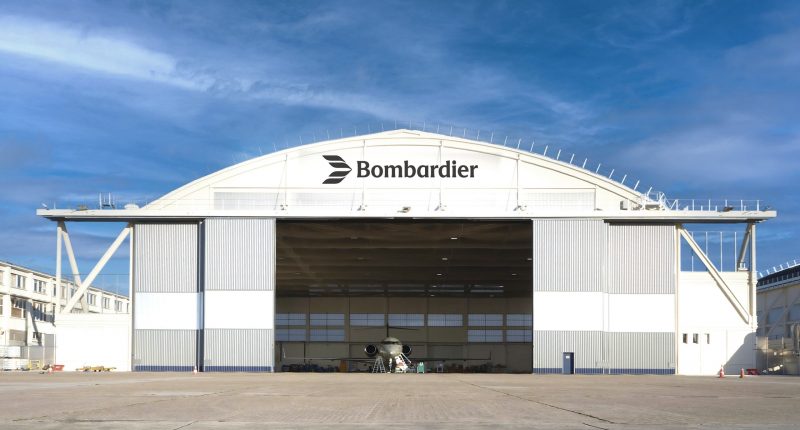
(29, 305)
(504, 256)
(779, 321)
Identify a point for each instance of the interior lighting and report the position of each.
(444, 258)
(453, 238)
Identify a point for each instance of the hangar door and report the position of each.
(605, 292)
(204, 295)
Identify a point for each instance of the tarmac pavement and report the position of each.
(72, 400)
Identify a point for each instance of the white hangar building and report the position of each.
(462, 249)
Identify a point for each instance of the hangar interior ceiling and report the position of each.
(396, 258)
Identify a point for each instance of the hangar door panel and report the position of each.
(239, 294)
(165, 297)
(568, 255)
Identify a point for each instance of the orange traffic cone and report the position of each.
(741, 374)
(721, 371)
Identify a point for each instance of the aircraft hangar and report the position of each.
(479, 257)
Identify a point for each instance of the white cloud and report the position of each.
(75, 47)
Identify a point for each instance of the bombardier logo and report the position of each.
(450, 169)
(337, 175)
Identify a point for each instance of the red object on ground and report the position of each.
(751, 372)
(721, 372)
(58, 368)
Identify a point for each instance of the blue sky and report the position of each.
(700, 99)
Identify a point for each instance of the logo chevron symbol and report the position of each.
(337, 163)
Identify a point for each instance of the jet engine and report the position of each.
(407, 350)
(370, 350)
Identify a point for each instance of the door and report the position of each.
(568, 363)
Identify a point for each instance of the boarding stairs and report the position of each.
(404, 365)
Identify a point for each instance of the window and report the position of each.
(91, 298)
(774, 315)
(17, 281)
(39, 286)
(519, 320)
(63, 292)
(445, 320)
(106, 302)
(290, 335)
(794, 312)
(1, 304)
(486, 320)
(117, 305)
(407, 320)
(72, 291)
(39, 312)
(327, 320)
(327, 335)
(484, 335)
(19, 308)
(685, 338)
(290, 319)
(708, 338)
(519, 336)
(2, 278)
(367, 320)
(695, 338)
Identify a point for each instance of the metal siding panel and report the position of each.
(164, 350)
(239, 350)
(240, 254)
(641, 353)
(568, 254)
(641, 259)
(548, 346)
(165, 258)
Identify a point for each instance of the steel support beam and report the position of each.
(716, 276)
(74, 266)
(743, 247)
(59, 234)
(753, 279)
(84, 286)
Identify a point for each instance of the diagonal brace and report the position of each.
(715, 275)
(97, 268)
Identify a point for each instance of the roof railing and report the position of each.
(778, 268)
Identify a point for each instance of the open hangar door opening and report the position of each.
(457, 292)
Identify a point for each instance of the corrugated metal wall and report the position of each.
(238, 251)
(248, 350)
(164, 350)
(568, 254)
(605, 352)
(165, 258)
(640, 353)
(549, 345)
(165, 262)
(642, 259)
(239, 259)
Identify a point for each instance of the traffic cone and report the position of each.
(741, 373)
(195, 370)
(50, 369)
(721, 371)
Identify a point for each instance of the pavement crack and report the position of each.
(594, 426)
(541, 403)
(184, 426)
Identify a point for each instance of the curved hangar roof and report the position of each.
(406, 173)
